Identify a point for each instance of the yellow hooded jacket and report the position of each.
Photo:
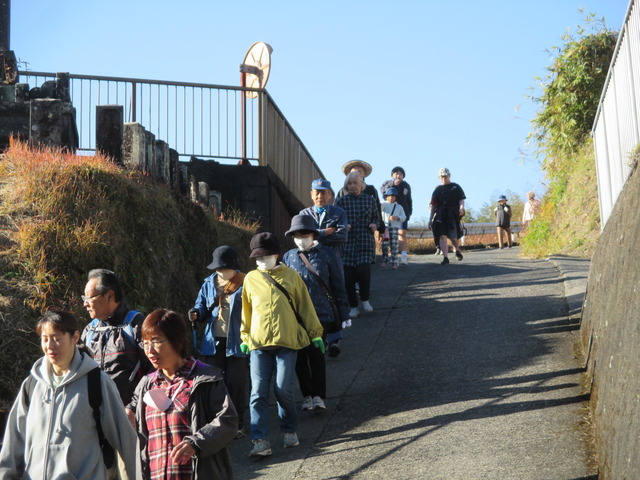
(267, 317)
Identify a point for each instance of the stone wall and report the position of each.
(610, 332)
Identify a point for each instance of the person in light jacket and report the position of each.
(51, 432)
(219, 303)
(273, 334)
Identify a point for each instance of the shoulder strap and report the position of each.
(29, 385)
(95, 400)
(323, 285)
(91, 331)
(285, 293)
(128, 329)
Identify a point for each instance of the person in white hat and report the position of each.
(364, 169)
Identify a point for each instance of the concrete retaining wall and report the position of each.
(610, 333)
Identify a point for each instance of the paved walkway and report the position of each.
(465, 371)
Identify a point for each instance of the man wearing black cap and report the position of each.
(219, 304)
(275, 325)
(404, 200)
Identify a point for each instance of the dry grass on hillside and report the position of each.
(62, 215)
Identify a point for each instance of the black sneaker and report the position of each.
(445, 261)
(334, 349)
(458, 255)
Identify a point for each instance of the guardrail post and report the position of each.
(109, 131)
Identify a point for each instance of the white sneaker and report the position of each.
(261, 448)
(307, 404)
(366, 306)
(353, 313)
(291, 439)
(318, 403)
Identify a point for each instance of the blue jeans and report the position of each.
(264, 363)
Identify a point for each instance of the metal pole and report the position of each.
(5, 25)
(243, 116)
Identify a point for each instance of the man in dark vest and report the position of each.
(114, 333)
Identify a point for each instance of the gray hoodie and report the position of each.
(54, 435)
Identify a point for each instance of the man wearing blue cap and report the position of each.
(502, 213)
(331, 221)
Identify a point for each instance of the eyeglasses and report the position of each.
(154, 343)
(88, 299)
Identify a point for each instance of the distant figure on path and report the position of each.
(404, 200)
(502, 213)
(531, 209)
(394, 217)
(447, 208)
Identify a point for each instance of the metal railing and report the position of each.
(194, 119)
(203, 120)
(616, 129)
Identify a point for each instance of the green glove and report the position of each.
(244, 348)
(317, 342)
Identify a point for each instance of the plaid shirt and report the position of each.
(168, 428)
(361, 212)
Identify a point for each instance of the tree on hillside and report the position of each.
(570, 93)
(560, 137)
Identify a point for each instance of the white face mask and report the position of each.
(304, 243)
(267, 262)
(226, 273)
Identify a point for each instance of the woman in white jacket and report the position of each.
(51, 431)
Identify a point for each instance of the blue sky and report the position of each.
(417, 83)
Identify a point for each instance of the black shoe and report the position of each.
(445, 261)
(458, 255)
(334, 349)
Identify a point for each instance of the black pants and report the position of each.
(360, 274)
(236, 376)
(311, 372)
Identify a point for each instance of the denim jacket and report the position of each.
(208, 307)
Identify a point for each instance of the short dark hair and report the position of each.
(171, 324)
(60, 320)
(107, 280)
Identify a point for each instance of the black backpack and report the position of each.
(95, 400)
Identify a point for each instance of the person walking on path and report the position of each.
(322, 273)
(331, 221)
(359, 251)
(219, 304)
(113, 336)
(393, 216)
(182, 411)
(447, 208)
(404, 200)
(531, 209)
(51, 431)
(364, 169)
(502, 212)
(278, 319)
